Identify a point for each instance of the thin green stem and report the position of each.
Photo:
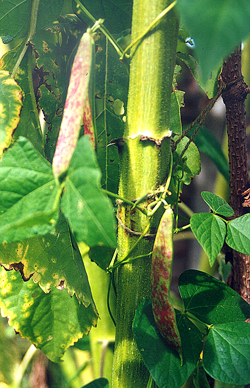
(32, 30)
(185, 209)
(102, 28)
(109, 193)
(23, 366)
(150, 28)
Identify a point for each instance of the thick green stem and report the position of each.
(144, 160)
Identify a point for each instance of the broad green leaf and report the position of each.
(226, 354)
(87, 209)
(190, 164)
(211, 300)
(98, 383)
(217, 27)
(10, 108)
(51, 321)
(117, 14)
(217, 204)
(209, 145)
(161, 360)
(29, 124)
(29, 194)
(210, 231)
(238, 234)
(176, 104)
(20, 11)
(52, 260)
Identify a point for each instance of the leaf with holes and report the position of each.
(210, 231)
(238, 234)
(51, 321)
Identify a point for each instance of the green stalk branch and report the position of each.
(144, 166)
(32, 30)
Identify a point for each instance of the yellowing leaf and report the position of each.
(10, 108)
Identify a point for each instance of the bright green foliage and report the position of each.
(98, 383)
(217, 204)
(226, 353)
(10, 107)
(238, 234)
(88, 210)
(217, 27)
(51, 321)
(161, 359)
(210, 231)
(29, 195)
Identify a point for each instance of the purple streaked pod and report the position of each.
(74, 106)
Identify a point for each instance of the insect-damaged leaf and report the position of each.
(52, 260)
(88, 210)
(19, 11)
(51, 321)
(10, 108)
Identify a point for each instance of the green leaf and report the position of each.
(117, 14)
(176, 104)
(210, 231)
(29, 194)
(209, 145)
(226, 355)
(98, 383)
(10, 108)
(217, 27)
(217, 204)
(29, 124)
(87, 209)
(190, 163)
(52, 260)
(51, 321)
(238, 234)
(211, 300)
(161, 360)
(20, 11)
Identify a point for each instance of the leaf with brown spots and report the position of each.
(10, 108)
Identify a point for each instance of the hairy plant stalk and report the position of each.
(234, 98)
(144, 160)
